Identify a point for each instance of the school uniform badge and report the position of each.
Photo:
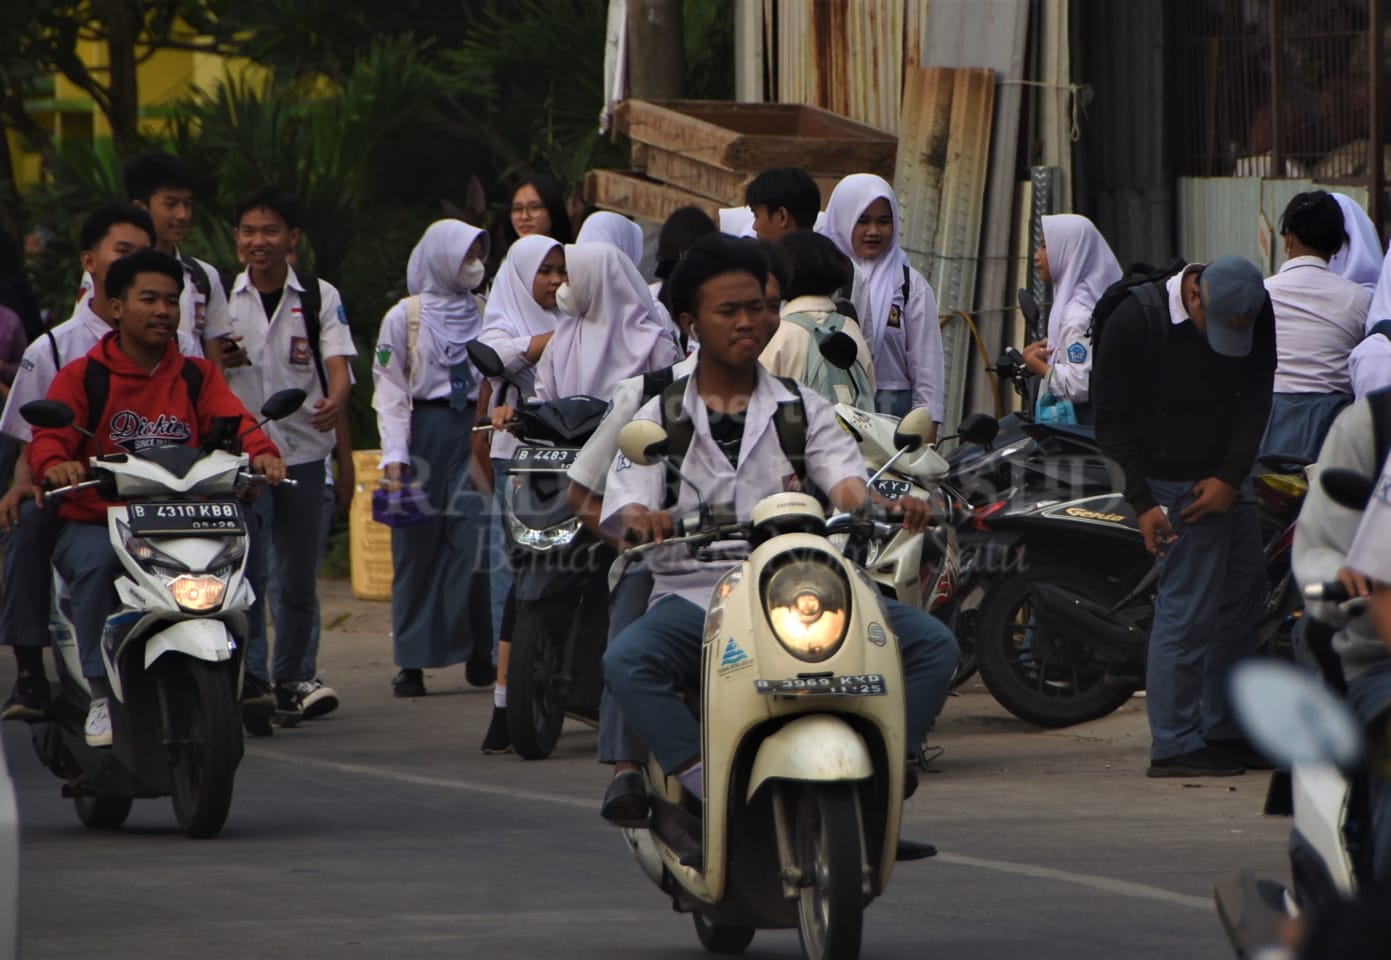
(300, 354)
(1077, 353)
(384, 354)
(895, 316)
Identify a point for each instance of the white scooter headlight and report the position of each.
(807, 602)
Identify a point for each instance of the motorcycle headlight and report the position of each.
(197, 594)
(540, 540)
(807, 602)
(150, 556)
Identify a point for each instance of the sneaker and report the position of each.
(498, 739)
(1240, 753)
(1202, 762)
(315, 699)
(288, 712)
(408, 683)
(257, 706)
(29, 700)
(97, 729)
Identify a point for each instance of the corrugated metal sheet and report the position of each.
(1227, 216)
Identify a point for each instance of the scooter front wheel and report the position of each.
(831, 907)
(535, 703)
(722, 937)
(207, 719)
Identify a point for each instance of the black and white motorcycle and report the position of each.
(173, 647)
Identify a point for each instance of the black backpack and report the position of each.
(198, 275)
(312, 303)
(1135, 280)
(789, 422)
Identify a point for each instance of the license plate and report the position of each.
(543, 458)
(185, 518)
(863, 685)
(893, 489)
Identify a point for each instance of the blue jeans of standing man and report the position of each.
(627, 602)
(1210, 595)
(658, 656)
(86, 560)
(26, 589)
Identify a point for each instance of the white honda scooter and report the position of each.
(173, 647)
(803, 732)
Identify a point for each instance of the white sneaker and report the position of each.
(97, 729)
(315, 699)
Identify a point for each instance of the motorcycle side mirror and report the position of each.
(1029, 307)
(1292, 718)
(913, 430)
(486, 359)
(1346, 488)
(979, 428)
(48, 414)
(644, 442)
(839, 350)
(282, 403)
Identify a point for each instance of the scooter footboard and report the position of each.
(819, 748)
(201, 639)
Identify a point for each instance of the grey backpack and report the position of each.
(836, 384)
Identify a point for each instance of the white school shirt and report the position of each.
(763, 470)
(195, 311)
(591, 467)
(1369, 365)
(909, 355)
(1070, 355)
(1369, 555)
(395, 388)
(1319, 319)
(281, 358)
(73, 339)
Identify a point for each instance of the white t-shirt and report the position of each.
(281, 358)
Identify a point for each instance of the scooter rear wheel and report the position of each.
(722, 937)
(102, 812)
(830, 911)
(206, 713)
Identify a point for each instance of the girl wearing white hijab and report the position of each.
(426, 393)
(1359, 258)
(1369, 365)
(1075, 258)
(903, 327)
(518, 323)
(611, 228)
(611, 331)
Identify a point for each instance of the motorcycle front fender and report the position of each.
(200, 639)
(815, 748)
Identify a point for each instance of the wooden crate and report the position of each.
(634, 195)
(369, 542)
(723, 186)
(749, 137)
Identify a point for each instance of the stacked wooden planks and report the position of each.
(704, 153)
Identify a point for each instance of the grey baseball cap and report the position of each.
(1233, 293)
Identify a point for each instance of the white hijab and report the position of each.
(606, 227)
(1082, 266)
(884, 274)
(1359, 259)
(617, 333)
(512, 308)
(447, 309)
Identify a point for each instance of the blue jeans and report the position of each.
(658, 656)
(1300, 421)
(1211, 591)
(88, 563)
(25, 594)
(895, 402)
(1370, 697)
(311, 653)
(627, 602)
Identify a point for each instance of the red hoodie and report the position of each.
(142, 410)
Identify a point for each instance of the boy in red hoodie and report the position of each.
(150, 402)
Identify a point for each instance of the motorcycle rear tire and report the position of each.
(722, 938)
(995, 648)
(206, 768)
(535, 708)
(102, 812)
(830, 911)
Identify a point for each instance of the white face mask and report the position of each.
(564, 298)
(471, 273)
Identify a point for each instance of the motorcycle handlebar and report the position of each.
(59, 491)
(248, 477)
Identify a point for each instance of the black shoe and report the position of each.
(257, 706)
(29, 700)
(288, 712)
(409, 683)
(910, 782)
(498, 739)
(913, 850)
(481, 672)
(1202, 762)
(625, 801)
(1239, 753)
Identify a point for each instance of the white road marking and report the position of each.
(1121, 888)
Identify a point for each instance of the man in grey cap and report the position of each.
(1182, 388)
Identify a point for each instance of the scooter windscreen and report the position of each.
(807, 600)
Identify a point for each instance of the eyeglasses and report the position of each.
(528, 209)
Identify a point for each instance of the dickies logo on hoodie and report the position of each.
(135, 432)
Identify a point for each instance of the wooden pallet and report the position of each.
(630, 193)
(723, 186)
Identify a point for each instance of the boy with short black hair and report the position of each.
(783, 200)
(286, 329)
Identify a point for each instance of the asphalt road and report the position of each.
(382, 832)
